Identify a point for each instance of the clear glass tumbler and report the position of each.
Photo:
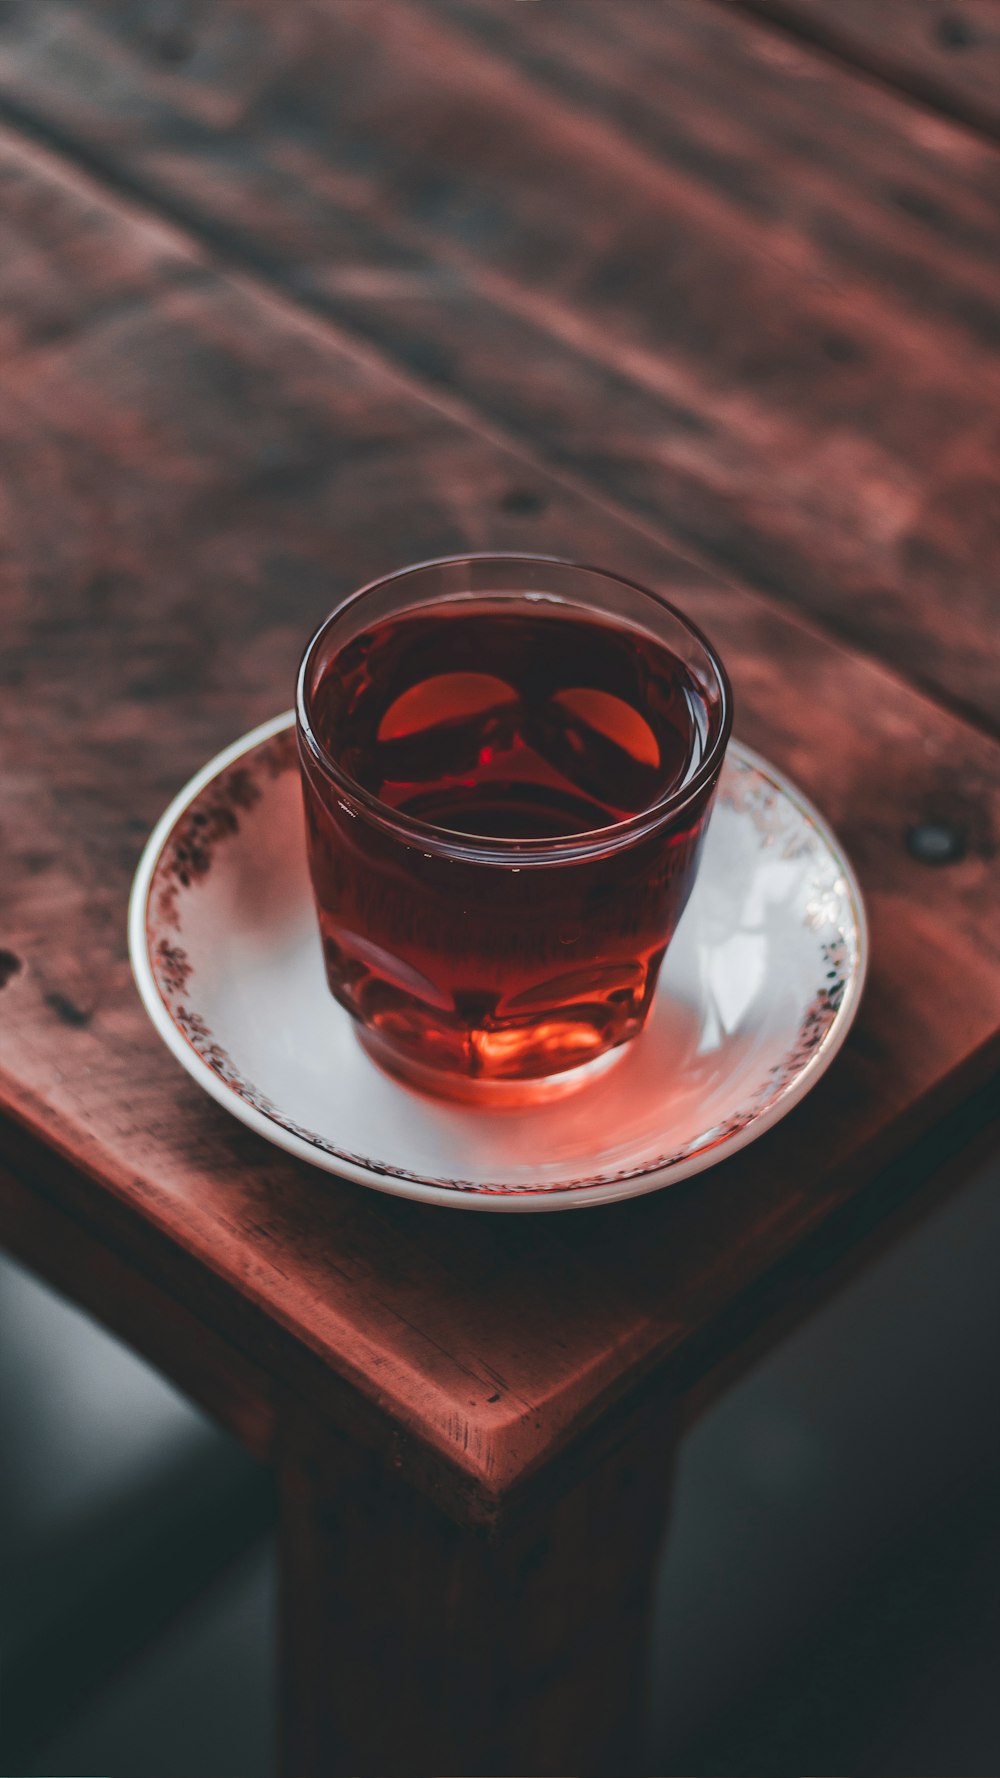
(508, 765)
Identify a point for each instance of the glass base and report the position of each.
(475, 1090)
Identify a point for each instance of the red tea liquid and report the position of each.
(510, 720)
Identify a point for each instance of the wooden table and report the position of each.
(292, 295)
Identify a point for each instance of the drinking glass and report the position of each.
(508, 764)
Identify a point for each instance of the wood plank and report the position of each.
(944, 53)
(67, 266)
(745, 296)
(188, 486)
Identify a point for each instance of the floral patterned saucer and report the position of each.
(758, 991)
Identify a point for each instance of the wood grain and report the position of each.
(747, 297)
(945, 53)
(188, 484)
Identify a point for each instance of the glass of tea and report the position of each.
(508, 766)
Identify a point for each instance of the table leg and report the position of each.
(412, 1645)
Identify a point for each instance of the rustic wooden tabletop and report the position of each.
(707, 293)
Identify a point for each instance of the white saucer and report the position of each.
(757, 994)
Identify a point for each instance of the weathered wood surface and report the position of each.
(733, 288)
(187, 482)
(944, 52)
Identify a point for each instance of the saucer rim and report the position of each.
(452, 1196)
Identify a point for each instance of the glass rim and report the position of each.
(485, 849)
